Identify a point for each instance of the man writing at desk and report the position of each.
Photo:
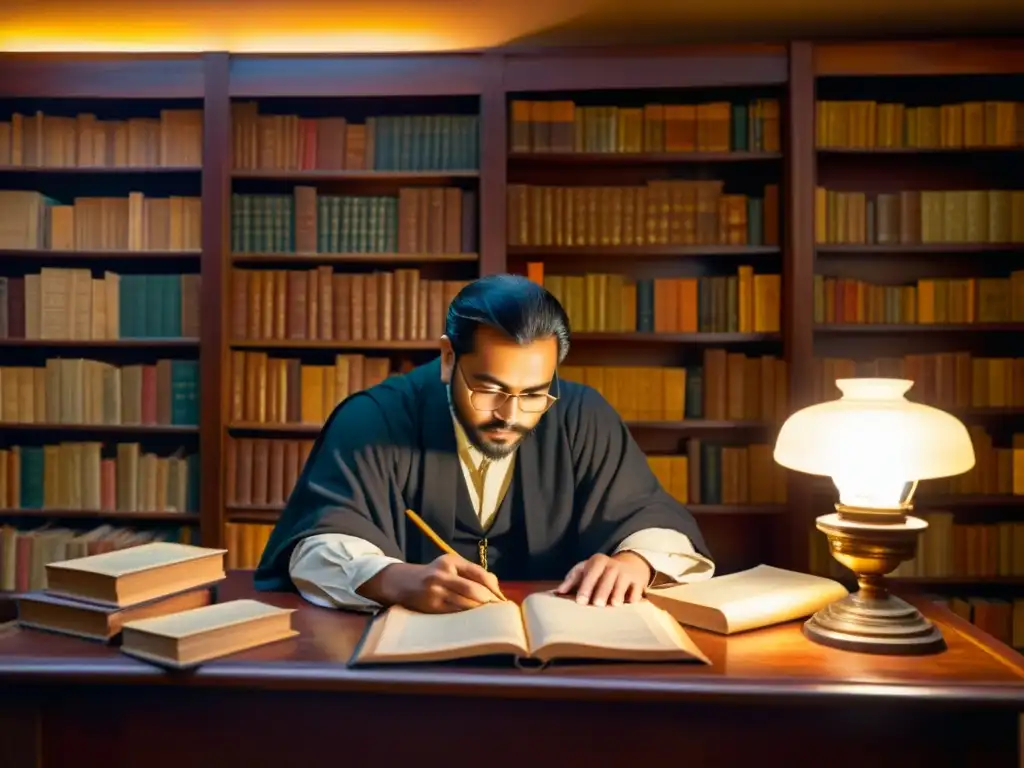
(526, 476)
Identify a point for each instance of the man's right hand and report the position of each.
(448, 584)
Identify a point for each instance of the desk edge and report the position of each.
(293, 677)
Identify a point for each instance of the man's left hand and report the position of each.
(603, 580)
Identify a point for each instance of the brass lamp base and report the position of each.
(872, 543)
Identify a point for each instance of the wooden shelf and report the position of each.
(984, 413)
(394, 176)
(969, 500)
(639, 158)
(98, 169)
(919, 328)
(682, 251)
(397, 346)
(353, 258)
(188, 518)
(51, 254)
(675, 338)
(157, 343)
(890, 151)
(131, 429)
(874, 249)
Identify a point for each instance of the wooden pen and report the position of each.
(441, 543)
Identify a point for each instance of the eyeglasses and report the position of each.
(488, 400)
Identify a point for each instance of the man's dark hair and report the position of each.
(518, 307)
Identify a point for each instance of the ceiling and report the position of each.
(412, 25)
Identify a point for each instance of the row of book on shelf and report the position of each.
(402, 305)
(663, 212)
(275, 390)
(25, 552)
(422, 220)
(70, 304)
(171, 139)
(262, 471)
(321, 304)
(998, 468)
(80, 391)
(725, 386)
(263, 141)
(30, 220)
(265, 389)
(245, 543)
(562, 125)
(891, 124)
(952, 549)
(91, 476)
(746, 302)
(915, 217)
(948, 380)
(273, 141)
(926, 301)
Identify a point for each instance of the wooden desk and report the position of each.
(770, 698)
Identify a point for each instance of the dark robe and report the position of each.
(581, 485)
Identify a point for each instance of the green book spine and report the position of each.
(172, 308)
(739, 127)
(711, 476)
(32, 474)
(645, 306)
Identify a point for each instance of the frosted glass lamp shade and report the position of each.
(873, 435)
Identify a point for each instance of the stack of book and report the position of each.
(157, 600)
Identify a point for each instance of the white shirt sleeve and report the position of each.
(670, 554)
(328, 568)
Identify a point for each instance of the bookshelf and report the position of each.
(919, 237)
(651, 210)
(755, 157)
(354, 219)
(100, 288)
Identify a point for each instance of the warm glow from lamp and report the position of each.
(275, 26)
(875, 445)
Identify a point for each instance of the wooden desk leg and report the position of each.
(20, 744)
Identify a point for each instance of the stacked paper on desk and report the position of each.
(94, 596)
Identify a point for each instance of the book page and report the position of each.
(753, 598)
(410, 636)
(559, 627)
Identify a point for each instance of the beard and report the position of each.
(477, 434)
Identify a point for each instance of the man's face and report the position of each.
(499, 366)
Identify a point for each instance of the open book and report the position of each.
(547, 627)
(747, 600)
